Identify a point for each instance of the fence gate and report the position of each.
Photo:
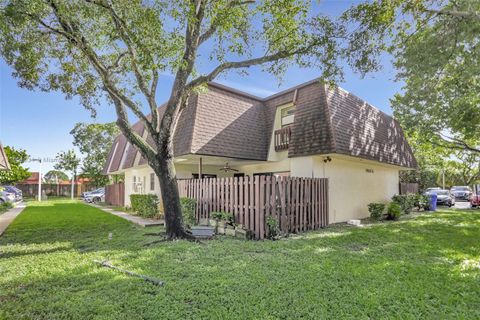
(408, 188)
(298, 204)
(115, 194)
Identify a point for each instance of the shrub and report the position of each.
(422, 202)
(5, 206)
(394, 211)
(188, 211)
(221, 215)
(406, 201)
(145, 205)
(217, 215)
(376, 210)
(273, 230)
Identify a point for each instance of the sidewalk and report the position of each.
(143, 222)
(7, 217)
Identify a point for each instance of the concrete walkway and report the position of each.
(143, 222)
(7, 217)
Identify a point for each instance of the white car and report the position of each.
(6, 196)
(94, 196)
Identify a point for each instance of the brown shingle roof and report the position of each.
(363, 131)
(228, 123)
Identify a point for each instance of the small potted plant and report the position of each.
(240, 232)
(219, 222)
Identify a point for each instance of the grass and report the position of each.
(426, 267)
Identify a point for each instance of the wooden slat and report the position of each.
(302, 202)
(257, 207)
(261, 208)
(240, 202)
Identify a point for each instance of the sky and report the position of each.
(40, 122)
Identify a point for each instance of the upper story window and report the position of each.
(287, 115)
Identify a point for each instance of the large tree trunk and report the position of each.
(165, 171)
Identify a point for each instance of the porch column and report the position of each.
(200, 168)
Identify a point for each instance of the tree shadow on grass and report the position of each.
(77, 226)
(407, 269)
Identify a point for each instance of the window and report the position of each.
(273, 174)
(263, 174)
(287, 115)
(204, 176)
(152, 181)
(135, 184)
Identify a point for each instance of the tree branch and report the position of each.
(454, 143)
(179, 92)
(121, 27)
(457, 14)
(215, 22)
(247, 63)
(71, 33)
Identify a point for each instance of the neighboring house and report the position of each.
(4, 165)
(33, 180)
(310, 130)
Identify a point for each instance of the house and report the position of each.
(29, 186)
(311, 130)
(4, 164)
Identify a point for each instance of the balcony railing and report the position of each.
(282, 138)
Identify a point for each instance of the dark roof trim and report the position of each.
(292, 89)
(236, 91)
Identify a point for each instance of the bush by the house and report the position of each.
(394, 211)
(5, 206)
(376, 210)
(422, 202)
(188, 211)
(145, 205)
(405, 201)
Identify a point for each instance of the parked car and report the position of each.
(17, 192)
(429, 190)
(95, 196)
(444, 197)
(87, 193)
(461, 192)
(475, 200)
(6, 196)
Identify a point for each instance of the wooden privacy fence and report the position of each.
(115, 194)
(298, 204)
(408, 188)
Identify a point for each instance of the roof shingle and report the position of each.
(228, 123)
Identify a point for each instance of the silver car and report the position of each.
(95, 196)
(6, 196)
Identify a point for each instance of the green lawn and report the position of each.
(427, 267)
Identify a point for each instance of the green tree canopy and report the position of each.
(436, 49)
(68, 161)
(16, 157)
(53, 176)
(119, 49)
(94, 142)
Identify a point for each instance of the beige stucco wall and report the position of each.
(143, 172)
(351, 186)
